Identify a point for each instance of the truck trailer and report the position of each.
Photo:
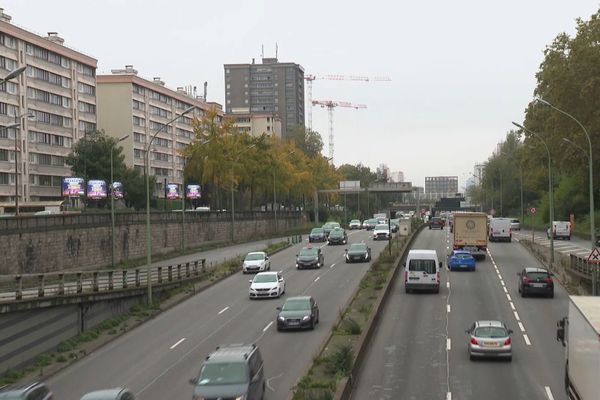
(470, 232)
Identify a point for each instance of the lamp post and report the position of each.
(550, 189)
(591, 166)
(275, 194)
(147, 168)
(112, 198)
(521, 176)
(233, 161)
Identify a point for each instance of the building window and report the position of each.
(7, 109)
(86, 127)
(86, 70)
(160, 112)
(4, 178)
(47, 76)
(138, 121)
(87, 107)
(86, 89)
(139, 137)
(138, 105)
(47, 97)
(8, 41)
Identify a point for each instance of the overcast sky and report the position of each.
(461, 70)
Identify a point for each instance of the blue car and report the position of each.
(462, 260)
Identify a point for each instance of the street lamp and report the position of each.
(112, 197)
(550, 190)
(521, 173)
(233, 161)
(275, 194)
(147, 167)
(13, 74)
(591, 167)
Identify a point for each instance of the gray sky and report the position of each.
(461, 70)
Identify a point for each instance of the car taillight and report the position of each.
(507, 342)
(474, 341)
(548, 280)
(526, 280)
(438, 277)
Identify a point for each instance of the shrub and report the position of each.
(349, 326)
(340, 362)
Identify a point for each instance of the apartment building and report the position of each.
(271, 87)
(257, 124)
(58, 90)
(131, 105)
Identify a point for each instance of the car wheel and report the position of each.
(347, 261)
(406, 290)
(523, 293)
(279, 328)
(551, 295)
(472, 357)
(312, 325)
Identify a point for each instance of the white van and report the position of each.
(422, 271)
(500, 230)
(560, 230)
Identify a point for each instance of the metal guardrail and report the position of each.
(582, 267)
(36, 286)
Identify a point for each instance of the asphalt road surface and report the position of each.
(157, 359)
(419, 350)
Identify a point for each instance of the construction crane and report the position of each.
(310, 78)
(330, 106)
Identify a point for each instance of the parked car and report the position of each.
(358, 252)
(354, 224)
(436, 223)
(231, 372)
(337, 236)
(110, 394)
(515, 224)
(382, 231)
(256, 261)
(489, 339)
(298, 313)
(29, 391)
(267, 285)
(533, 280)
(317, 235)
(310, 257)
(461, 259)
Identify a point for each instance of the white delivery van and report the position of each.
(422, 271)
(500, 230)
(560, 230)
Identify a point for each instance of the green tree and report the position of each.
(309, 141)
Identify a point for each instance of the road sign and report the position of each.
(533, 210)
(594, 256)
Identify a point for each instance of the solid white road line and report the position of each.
(177, 344)
(448, 307)
(448, 344)
(548, 392)
(223, 310)
(268, 326)
(521, 327)
(527, 342)
(318, 277)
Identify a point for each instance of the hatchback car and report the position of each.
(436, 223)
(489, 339)
(461, 260)
(298, 313)
(256, 261)
(370, 224)
(317, 235)
(267, 285)
(533, 280)
(30, 391)
(310, 257)
(354, 224)
(337, 236)
(358, 252)
(110, 394)
(382, 231)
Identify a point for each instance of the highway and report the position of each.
(157, 359)
(419, 350)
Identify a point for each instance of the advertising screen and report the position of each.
(172, 191)
(117, 190)
(193, 191)
(73, 187)
(96, 189)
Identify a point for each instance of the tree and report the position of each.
(309, 141)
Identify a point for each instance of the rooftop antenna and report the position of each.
(276, 50)
(205, 88)
(262, 51)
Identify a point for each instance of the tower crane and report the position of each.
(330, 105)
(309, 78)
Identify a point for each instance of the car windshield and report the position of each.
(372, 221)
(462, 256)
(296, 305)
(358, 247)
(355, 221)
(514, 221)
(254, 257)
(381, 227)
(336, 232)
(317, 230)
(308, 252)
(490, 332)
(225, 373)
(334, 225)
(427, 266)
(260, 278)
(327, 226)
(537, 275)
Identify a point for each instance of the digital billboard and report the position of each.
(172, 191)
(117, 190)
(193, 191)
(96, 189)
(73, 187)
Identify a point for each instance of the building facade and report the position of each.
(257, 124)
(131, 105)
(54, 103)
(441, 186)
(271, 87)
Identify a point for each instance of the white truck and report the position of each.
(560, 230)
(580, 334)
(500, 230)
(470, 231)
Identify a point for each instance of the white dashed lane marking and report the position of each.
(177, 343)
(268, 326)
(548, 392)
(223, 310)
(527, 341)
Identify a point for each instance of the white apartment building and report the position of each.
(131, 105)
(58, 89)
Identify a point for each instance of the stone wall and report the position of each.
(76, 242)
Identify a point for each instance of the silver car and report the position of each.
(489, 339)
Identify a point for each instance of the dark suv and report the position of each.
(533, 280)
(231, 372)
(32, 391)
(310, 257)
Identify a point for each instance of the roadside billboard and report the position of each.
(96, 189)
(193, 192)
(73, 187)
(117, 190)
(172, 191)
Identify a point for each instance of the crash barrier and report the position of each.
(295, 239)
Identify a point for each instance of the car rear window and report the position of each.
(358, 246)
(427, 266)
(317, 230)
(254, 257)
(537, 275)
(265, 278)
(296, 305)
(225, 373)
(308, 252)
(490, 332)
(462, 256)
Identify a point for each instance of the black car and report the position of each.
(337, 236)
(310, 257)
(371, 223)
(317, 235)
(30, 391)
(436, 223)
(298, 313)
(533, 280)
(358, 252)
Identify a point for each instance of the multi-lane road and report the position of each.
(419, 350)
(157, 359)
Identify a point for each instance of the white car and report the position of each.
(257, 261)
(381, 231)
(267, 285)
(354, 224)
